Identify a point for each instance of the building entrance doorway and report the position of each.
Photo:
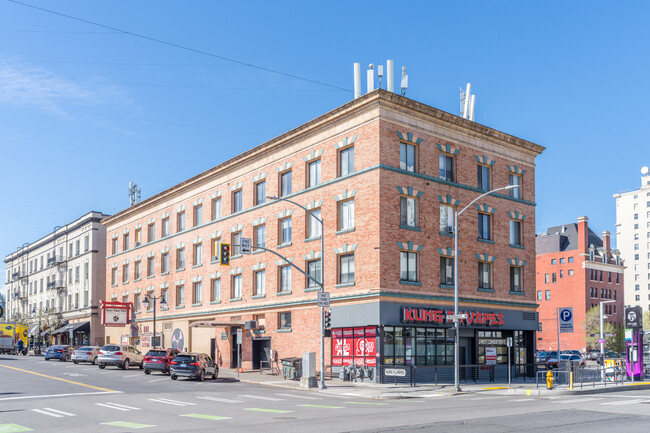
(261, 352)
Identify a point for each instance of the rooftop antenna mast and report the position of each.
(134, 193)
(467, 101)
(405, 81)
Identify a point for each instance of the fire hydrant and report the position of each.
(549, 379)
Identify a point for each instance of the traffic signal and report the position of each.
(328, 319)
(224, 258)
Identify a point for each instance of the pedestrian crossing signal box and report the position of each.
(225, 255)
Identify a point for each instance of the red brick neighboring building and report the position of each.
(576, 268)
(386, 174)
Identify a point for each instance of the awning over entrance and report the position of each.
(73, 327)
(214, 324)
(33, 330)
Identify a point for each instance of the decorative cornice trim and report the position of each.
(313, 155)
(446, 148)
(485, 208)
(484, 160)
(516, 170)
(314, 204)
(485, 257)
(409, 137)
(311, 256)
(258, 267)
(260, 176)
(449, 251)
(448, 200)
(236, 186)
(345, 195)
(237, 228)
(410, 246)
(284, 167)
(345, 142)
(284, 214)
(517, 262)
(516, 215)
(346, 249)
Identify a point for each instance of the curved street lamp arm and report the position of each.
(484, 194)
(270, 197)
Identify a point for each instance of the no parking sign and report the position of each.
(566, 319)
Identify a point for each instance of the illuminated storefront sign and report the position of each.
(439, 316)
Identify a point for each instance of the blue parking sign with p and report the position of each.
(566, 319)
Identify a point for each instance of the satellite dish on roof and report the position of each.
(644, 170)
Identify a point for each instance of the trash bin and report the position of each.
(291, 368)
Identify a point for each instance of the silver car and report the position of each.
(121, 355)
(85, 354)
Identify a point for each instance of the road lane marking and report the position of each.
(622, 402)
(519, 400)
(13, 428)
(53, 412)
(158, 380)
(58, 378)
(321, 406)
(366, 402)
(25, 397)
(125, 424)
(222, 400)
(259, 397)
(258, 409)
(575, 400)
(118, 406)
(172, 402)
(202, 416)
(297, 396)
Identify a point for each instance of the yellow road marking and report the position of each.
(638, 383)
(58, 378)
(528, 392)
(498, 387)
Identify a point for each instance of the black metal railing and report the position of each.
(444, 374)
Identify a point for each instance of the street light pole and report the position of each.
(457, 321)
(602, 335)
(321, 384)
(145, 303)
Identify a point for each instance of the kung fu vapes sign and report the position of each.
(438, 316)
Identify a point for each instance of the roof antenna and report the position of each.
(134, 194)
(380, 73)
(405, 81)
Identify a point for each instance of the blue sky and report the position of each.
(84, 109)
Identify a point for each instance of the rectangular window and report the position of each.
(284, 320)
(561, 261)
(216, 247)
(346, 215)
(554, 261)
(446, 219)
(570, 272)
(407, 157)
(113, 276)
(539, 295)
(180, 295)
(216, 208)
(165, 227)
(285, 183)
(164, 263)
(314, 173)
(314, 226)
(196, 292)
(215, 290)
(484, 231)
(151, 232)
(285, 231)
(125, 244)
(515, 232)
(408, 211)
(86, 243)
(237, 201)
(260, 283)
(483, 177)
(236, 287)
(234, 248)
(346, 161)
(125, 273)
(198, 255)
(259, 236)
(515, 179)
(77, 245)
(260, 192)
(151, 266)
(446, 271)
(138, 237)
(554, 277)
(77, 274)
(198, 215)
(137, 269)
(313, 269)
(180, 259)
(86, 271)
(447, 167)
(346, 268)
(285, 279)
(114, 248)
(516, 279)
(136, 303)
(180, 222)
(484, 275)
(548, 295)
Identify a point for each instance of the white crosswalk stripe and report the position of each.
(576, 400)
(53, 412)
(297, 396)
(622, 402)
(172, 402)
(259, 397)
(222, 400)
(118, 406)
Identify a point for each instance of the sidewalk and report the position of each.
(373, 390)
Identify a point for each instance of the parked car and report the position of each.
(544, 355)
(85, 354)
(60, 352)
(574, 359)
(195, 365)
(571, 352)
(123, 356)
(593, 354)
(159, 359)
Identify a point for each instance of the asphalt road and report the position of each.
(41, 396)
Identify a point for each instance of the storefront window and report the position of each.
(419, 346)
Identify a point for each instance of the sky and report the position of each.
(94, 95)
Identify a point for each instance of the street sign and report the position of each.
(246, 245)
(399, 372)
(628, 335)
(509, 341)
(633, 317)
(455, 317)
(491, 355)
(239, 335)
(566, 319)
(323, 299)
(601, 341)
(610, 335)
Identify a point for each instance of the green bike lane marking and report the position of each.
(127, 424)
(202, 416)
(13, 428)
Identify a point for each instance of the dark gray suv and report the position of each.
(195, 365)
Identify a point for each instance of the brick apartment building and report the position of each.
(576, 268)
(386, 173)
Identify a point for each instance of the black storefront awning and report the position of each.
(33, 330)
(73, 327)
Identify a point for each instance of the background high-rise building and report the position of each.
(633, 241)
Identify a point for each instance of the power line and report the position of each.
(182, 47)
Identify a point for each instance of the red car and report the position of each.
(159, 359)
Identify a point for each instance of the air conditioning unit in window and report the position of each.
(449, 229)
(250, 324)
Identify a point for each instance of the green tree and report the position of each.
(592, 327)
(646, 320)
